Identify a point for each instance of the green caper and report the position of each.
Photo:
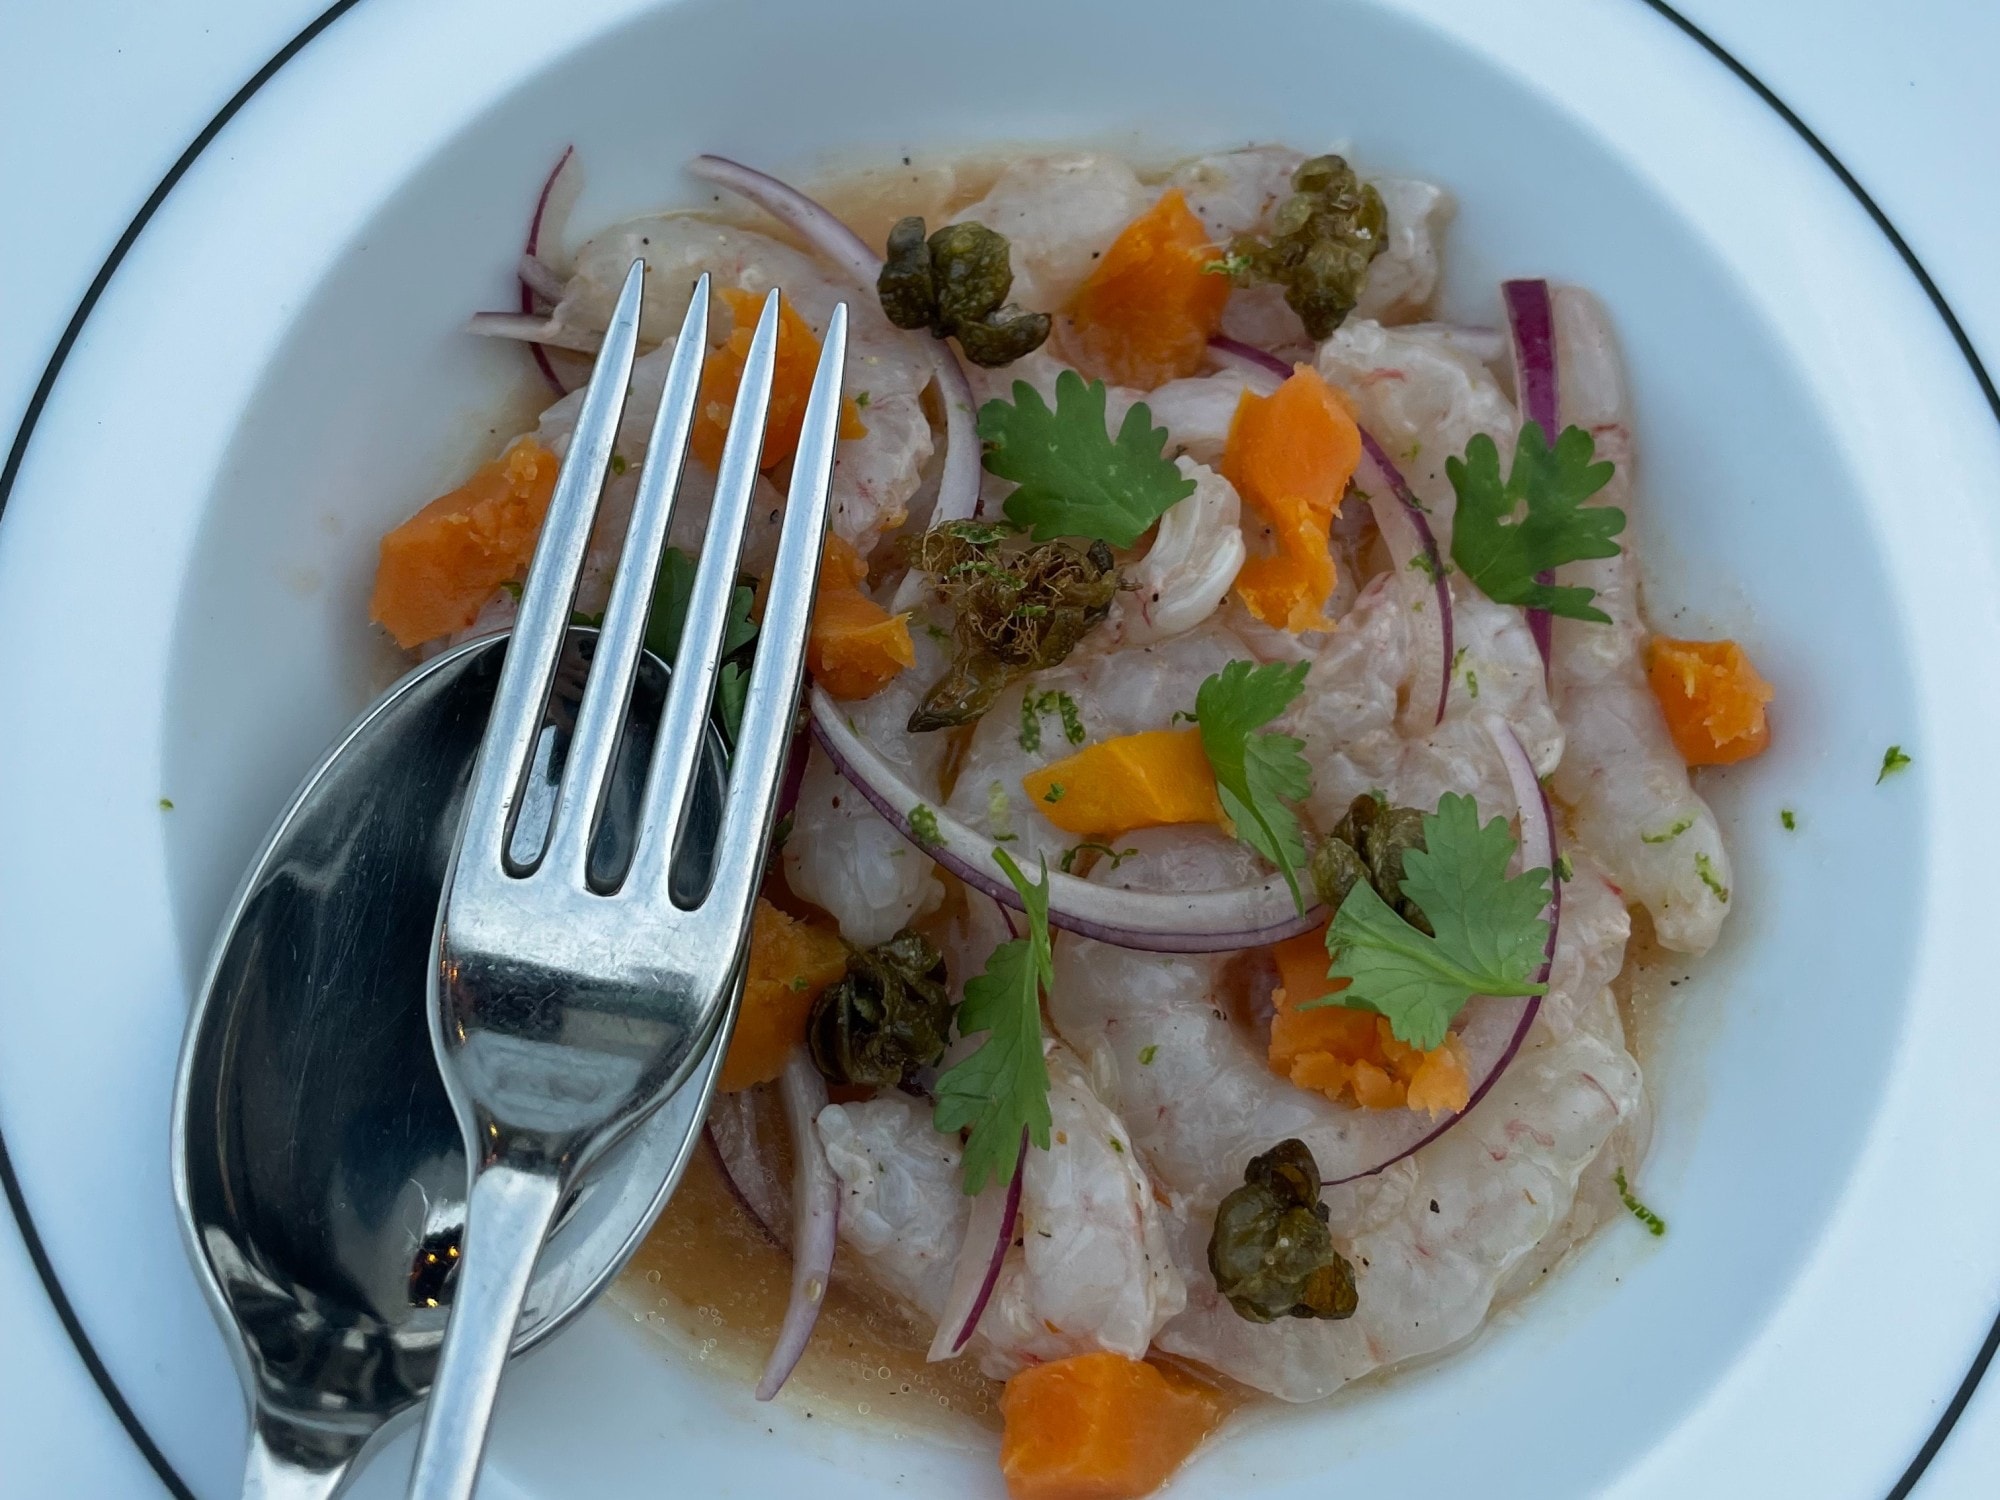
(1370, 843)
(907, 286)
(1002, 336)
(973, 272)
(955, 283)
(886, 1018)
(1336, 870)
(1270, 1253)
(1322, 239)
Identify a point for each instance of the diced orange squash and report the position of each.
(1713, 699)
(437, 570)
(1291, 455)
(855, 646)
(1099, 1427)
(1135, 781)
(1148, 309)
(791, 383)
(790, 963)
(1353, 1054)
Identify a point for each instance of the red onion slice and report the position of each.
(1531, 320)
(539, 280)
(552, 208)
(534, 329)
(1406, 529)
(989, 1232)
(958, 485)
(732, 1132)
(1248, 359)
(1219, 921)
(1494, 1027)
(815, 1220)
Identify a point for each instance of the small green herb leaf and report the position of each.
(1790, 819)
(1506, 533)
(1489, 926)
(1256, 775)
(1655, 1225)
(1893, 760)
(1074, 479)
(1147, 1053)
(1001, 1090)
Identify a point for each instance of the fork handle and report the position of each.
(507, 1218)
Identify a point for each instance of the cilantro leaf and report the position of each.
(1074, 480)
(1491, 935)
(1507, 534)
(1257, 774)
(668, 616)
(1002, 1089)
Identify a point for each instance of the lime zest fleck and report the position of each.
(1680, 826)
(1655, 1225)
(1705, 868)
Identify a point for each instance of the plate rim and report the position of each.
(9, 1181)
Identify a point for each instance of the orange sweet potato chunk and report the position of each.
(436, 571)
(1713, 699)
(1290, 456)
(790, 963)
(1099, 1427)
(1148, 310)
(855, 647)
(1145, 780)
(1353, 1054)
(791, 383)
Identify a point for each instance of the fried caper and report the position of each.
(955, 283)
(1270, 1253)
(886, 1018)
(1322, 239)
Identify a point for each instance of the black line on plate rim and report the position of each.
(10, 1183)
(1955, 1408)
(17, 452)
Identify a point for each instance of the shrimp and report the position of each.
(842, 855)
(875, 475)
(1366, 730)
(1159, 1036)
(1186, 574)
(1113, 693)
(1622, 777)
(1423, 399)
(1059, 213)
(1092, 1269)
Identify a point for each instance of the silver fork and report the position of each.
(562, 1012)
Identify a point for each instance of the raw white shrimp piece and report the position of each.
(1423, 399)
(1402, 278)
(677, 248)
(1432, 1238)
(842, 855)
(901, 1209)
(1093, 1270)
(874, 476)
(1186, 574)
(1116, 692)
(1059, 214)
(1234, 192)
(1196, 411)
(1621, 775)
(1261, 317)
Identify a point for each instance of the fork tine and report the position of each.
(615, 666)
(682, 739)
(549, 595)
(763, 744)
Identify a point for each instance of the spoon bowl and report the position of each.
(319, 1169)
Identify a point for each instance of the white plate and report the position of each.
(273, 376)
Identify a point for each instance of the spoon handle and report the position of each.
(507, 1218)
(279, 1467)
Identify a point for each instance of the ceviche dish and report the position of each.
(1237, 771)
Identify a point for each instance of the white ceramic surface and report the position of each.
(274, 377)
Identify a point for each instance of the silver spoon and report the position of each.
(318, 1167)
